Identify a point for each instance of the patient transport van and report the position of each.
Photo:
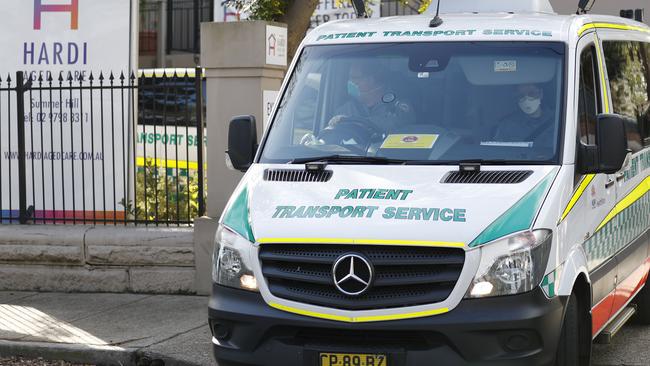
(470, 190)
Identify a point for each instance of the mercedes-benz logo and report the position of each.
(352, 274)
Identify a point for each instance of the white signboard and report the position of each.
(44, 38)
(329, 10)
(170, 146)
(276, 45)
(269, 97)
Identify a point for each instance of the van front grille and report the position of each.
(404, 276)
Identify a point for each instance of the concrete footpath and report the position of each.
(143, 330)
(106, 329)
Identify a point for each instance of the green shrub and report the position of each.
(163, 195)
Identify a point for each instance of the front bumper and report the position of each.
(512, 330)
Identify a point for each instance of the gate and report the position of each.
(102, 149)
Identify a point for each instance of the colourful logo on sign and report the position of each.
(72, 8)
(410, 139)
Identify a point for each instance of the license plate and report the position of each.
(352, 359)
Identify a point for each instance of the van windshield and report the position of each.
(428, 103)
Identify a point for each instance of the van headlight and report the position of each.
(512, 265)
(232, 264)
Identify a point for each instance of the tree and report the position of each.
(295, 13)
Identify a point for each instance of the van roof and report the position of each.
(474, 27)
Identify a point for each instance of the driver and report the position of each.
(531, 122)
(372, 99)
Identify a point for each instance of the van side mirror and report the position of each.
(608, 156)
(242, 142)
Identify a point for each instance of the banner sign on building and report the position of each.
(329, 10)
(48, 39)
(326, 11)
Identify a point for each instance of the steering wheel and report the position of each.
(355, 133)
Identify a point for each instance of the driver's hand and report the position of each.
(336, 120)
(310, 140)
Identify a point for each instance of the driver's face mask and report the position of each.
(353, 89)
(530, 105)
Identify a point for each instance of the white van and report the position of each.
(474, 192)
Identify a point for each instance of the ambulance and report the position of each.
(466, 188)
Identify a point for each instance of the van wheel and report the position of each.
(643, 305)
(573, 348)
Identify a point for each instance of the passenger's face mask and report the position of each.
(530, 105)
(353, 89)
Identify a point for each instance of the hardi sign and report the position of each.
(53, 53)
(276, 45)
(69, 38)
(57, 53)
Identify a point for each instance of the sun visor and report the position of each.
(490, 70)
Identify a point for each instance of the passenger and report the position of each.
(531, 122)
(372, 99)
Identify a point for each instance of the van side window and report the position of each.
(589, 96)
(627, 67)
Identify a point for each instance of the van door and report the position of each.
(628, 72)
(598, 191)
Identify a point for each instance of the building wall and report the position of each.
(607, 7)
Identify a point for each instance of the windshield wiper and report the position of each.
(347, 159)
(478, 162)
(352, 159)
(503, 162)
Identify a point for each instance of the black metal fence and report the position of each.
(184, 19)
(102, 149)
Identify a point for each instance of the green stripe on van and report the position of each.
(519, 217)
(237, 218)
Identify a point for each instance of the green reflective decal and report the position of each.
(519, 217)
(237, 217)
(548, 285)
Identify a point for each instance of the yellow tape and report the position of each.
(162, 163)
(584, 183)
(626, 202)
(414, 243)
(361, 319)
(589, 26)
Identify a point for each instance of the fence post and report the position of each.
(198, 79)
(170, 24)
(21, 88)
